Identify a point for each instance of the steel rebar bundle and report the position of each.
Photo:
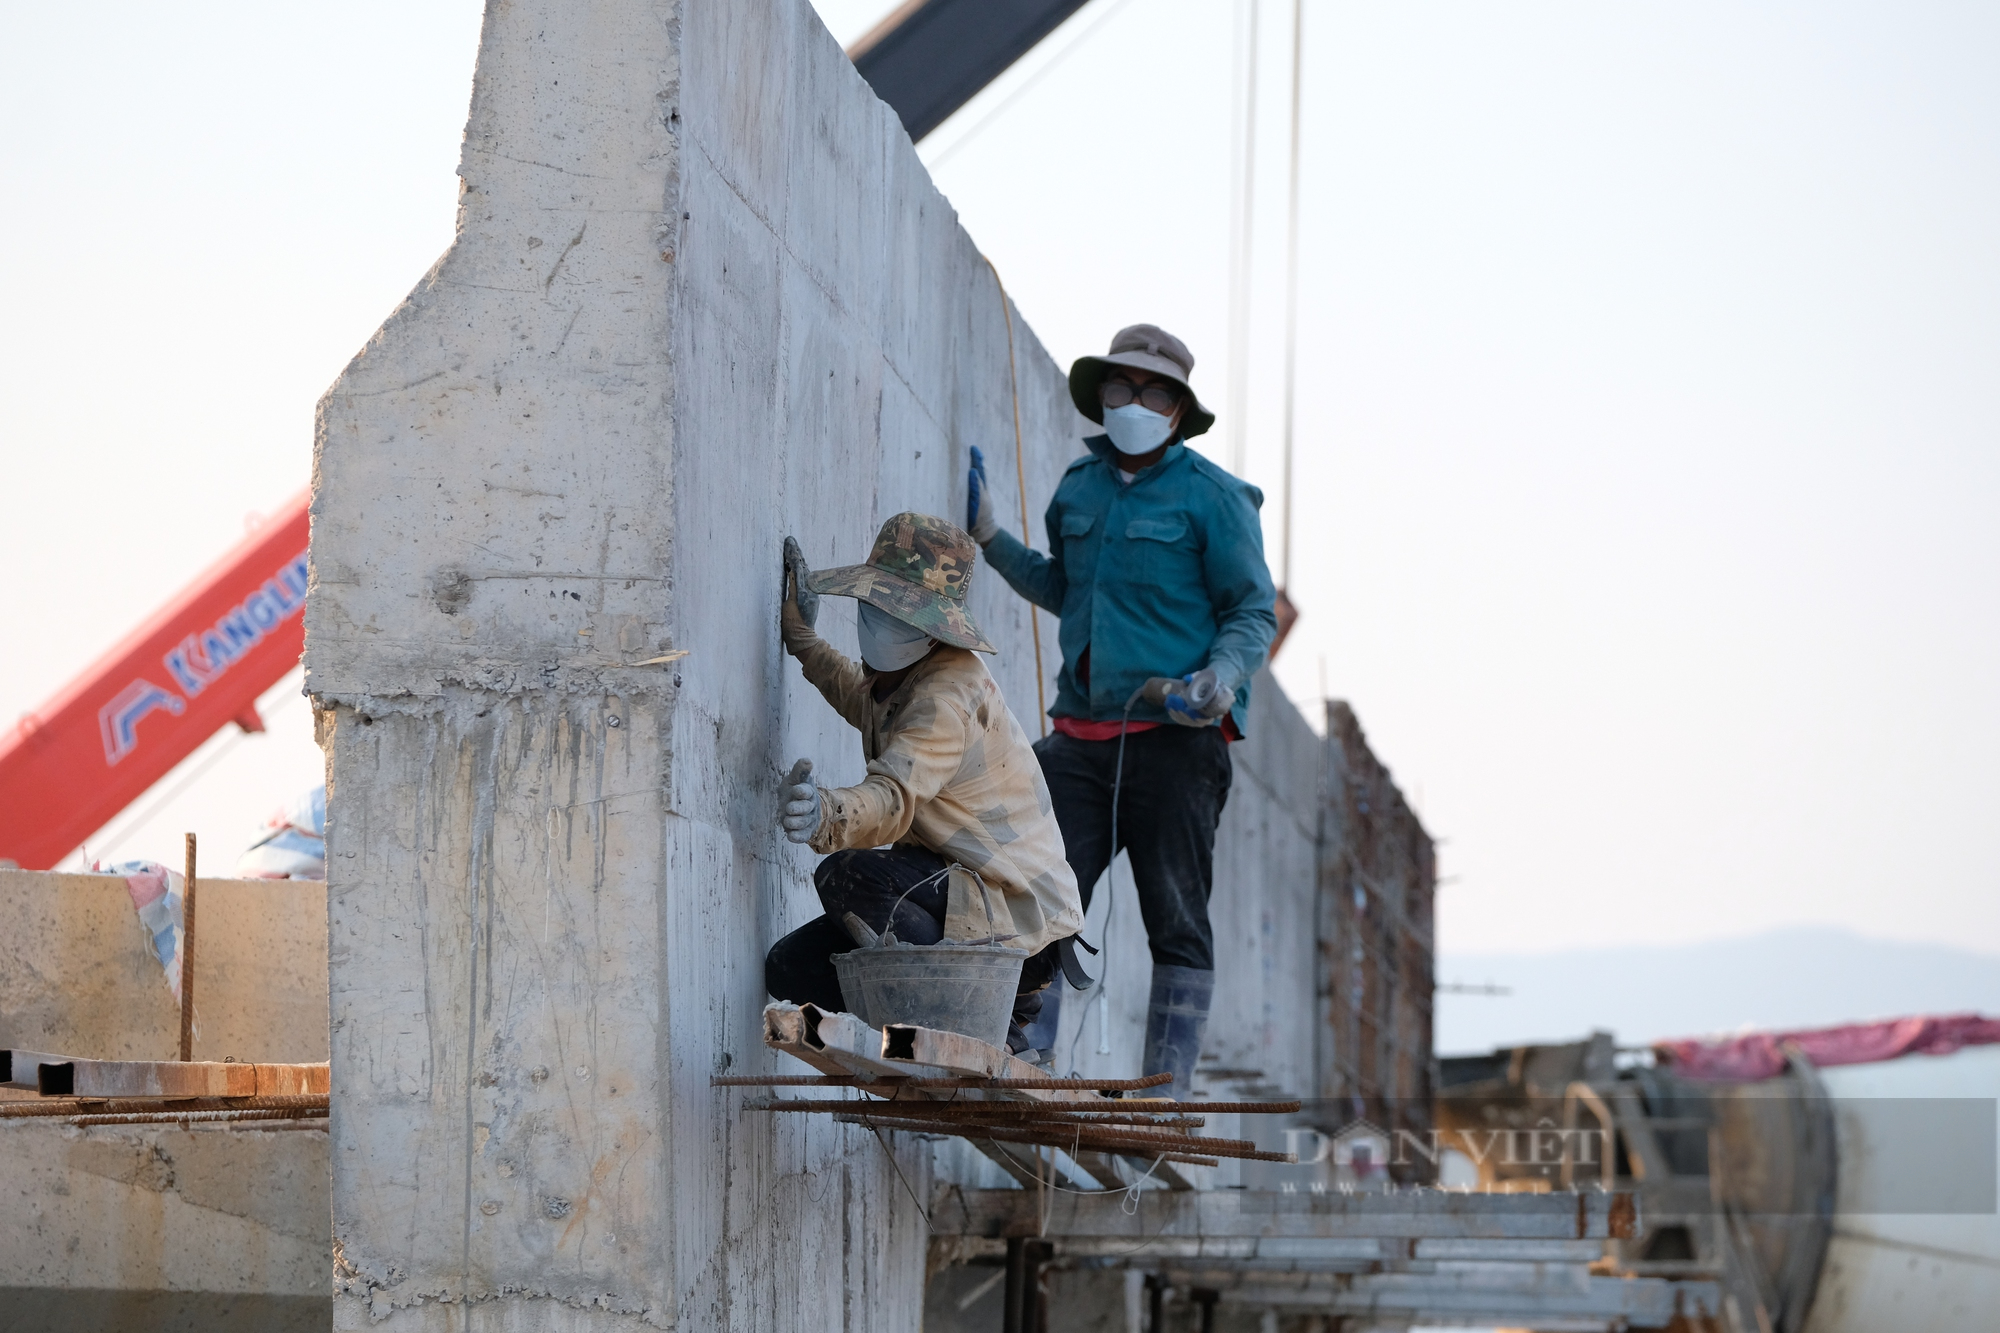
(84, 1111)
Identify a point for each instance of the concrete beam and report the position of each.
(703, 296)
(1223, 1217)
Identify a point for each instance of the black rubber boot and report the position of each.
(1176, 1017)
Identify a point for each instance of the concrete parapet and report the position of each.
(78, 975)
(703, 295)
(148, 1227)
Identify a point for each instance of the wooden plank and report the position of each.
(55, 1075)
(842, 1044)
(953, 1051)
(905, 1047)
(835, 1044)
(21, 1069)
(148, 1079)
(891, 1060)
(293, 1080)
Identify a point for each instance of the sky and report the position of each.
(1647, 442)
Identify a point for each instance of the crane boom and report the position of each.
(928, 58)
(201, 660)
(194, 666)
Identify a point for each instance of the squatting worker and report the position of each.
(1156, 567)
(951, 828)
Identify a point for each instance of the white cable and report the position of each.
(1102, 997)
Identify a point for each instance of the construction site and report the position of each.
(506, 1050)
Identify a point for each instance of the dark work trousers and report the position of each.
(799, 967)
(1176, 783)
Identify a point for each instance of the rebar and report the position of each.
(1079, 1137)
(1001, 1111)
(897, 1081)
(199, 1117)
(57, 1106)
(187, 953)
(1246, 1108)
(1072, 1084)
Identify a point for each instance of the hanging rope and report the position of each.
(1292, 290)
(1021, 481)
(1242, 222)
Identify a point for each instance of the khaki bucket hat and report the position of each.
(1140, 347)
(918, 572)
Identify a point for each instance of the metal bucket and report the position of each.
(963, 988)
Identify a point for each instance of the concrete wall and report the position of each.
(78, 975)
(150, 1227)
(1377, 900)
(703, 296)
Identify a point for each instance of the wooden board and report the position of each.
(21, 1069)
(293, 1080)
(55, 1075)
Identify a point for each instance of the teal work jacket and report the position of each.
(1160, 577)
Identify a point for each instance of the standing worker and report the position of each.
(949, 836)
(1156, 568)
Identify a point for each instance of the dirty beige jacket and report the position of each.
(950, 769)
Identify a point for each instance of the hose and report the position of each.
(1021, 484)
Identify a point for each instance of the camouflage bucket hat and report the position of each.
(918, 573)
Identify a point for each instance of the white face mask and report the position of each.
(1136, 430)
(889, 644)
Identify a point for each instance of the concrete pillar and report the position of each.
(703, 294)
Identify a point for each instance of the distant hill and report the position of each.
(1797, 977)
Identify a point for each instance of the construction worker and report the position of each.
(949, 837)
(1156, 567)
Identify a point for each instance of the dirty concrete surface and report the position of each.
(155, 1227)
(78, 976)
(703, 296)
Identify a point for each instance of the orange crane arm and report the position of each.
(196, 665)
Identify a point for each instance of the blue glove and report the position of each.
(1207, 697)
(979, 518)
(798, 605)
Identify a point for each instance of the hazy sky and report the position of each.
(1648, 444)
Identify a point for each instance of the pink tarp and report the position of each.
(1761, 1054)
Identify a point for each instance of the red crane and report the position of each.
(200, 662)
(196, 665)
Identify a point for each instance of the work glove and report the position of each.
(799, 608)
(1207, 696)
(798, 803)
(980, 520)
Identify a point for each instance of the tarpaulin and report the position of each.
(292, 843)
(1758, 1055)
(156, 896)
